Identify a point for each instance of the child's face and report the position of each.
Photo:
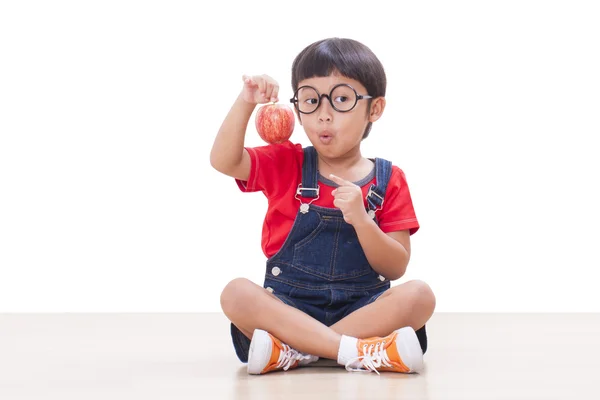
(332, 133)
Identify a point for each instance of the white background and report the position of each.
(108, 111)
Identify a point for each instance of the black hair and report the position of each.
(349, 58)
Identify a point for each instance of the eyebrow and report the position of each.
(330, 87)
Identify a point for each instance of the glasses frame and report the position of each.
(320, 96)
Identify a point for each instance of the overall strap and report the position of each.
(376, 194)
(309, 187)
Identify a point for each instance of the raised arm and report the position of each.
(228, 155)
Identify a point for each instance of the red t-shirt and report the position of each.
(276, 170)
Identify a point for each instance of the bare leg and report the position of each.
(409, 304)
(251, 307)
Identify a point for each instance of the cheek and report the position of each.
(353, 125)
(310, 124)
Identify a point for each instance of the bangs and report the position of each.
(347, 57)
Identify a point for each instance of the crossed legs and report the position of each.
(250, 306)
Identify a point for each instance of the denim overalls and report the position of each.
(321, 268)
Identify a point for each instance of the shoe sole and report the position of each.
(257, 361)
(409, 349)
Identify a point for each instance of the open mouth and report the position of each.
(325, 137)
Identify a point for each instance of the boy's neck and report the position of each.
(351, 167)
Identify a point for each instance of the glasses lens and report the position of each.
(343, 98)
(308, 99)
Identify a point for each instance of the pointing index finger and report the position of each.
(339, 180)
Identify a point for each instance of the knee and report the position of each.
(234, 296)
(422, 296)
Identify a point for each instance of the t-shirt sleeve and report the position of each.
(271, 168)
(398, 213)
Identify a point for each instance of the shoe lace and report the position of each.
(288, 356)
(374, 356)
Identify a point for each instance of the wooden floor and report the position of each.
(189, 356)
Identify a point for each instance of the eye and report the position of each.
(341, 99)
(311, 101)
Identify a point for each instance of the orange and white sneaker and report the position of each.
(267, 353)
(398, 352)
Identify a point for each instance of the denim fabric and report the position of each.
(321, 268)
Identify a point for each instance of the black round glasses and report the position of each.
(342, 97)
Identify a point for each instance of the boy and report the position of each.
(337, 228)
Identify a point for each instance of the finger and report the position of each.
(275, 94)
(339, 203)
(268, 91)
(337, 194)
(343, 198)
(262, 85)
(268, 87)
(347, 189)
(248, 81)
(340, 181)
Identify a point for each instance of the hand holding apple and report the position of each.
(260, 89)
(275, 123)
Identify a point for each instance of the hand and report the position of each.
(260, 89)
(348, 198)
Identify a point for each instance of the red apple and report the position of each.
(275, 122)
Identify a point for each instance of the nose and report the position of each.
(324, 110)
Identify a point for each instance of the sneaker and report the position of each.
(397, 352)
(267, 353)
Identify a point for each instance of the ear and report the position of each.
(377, 107)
